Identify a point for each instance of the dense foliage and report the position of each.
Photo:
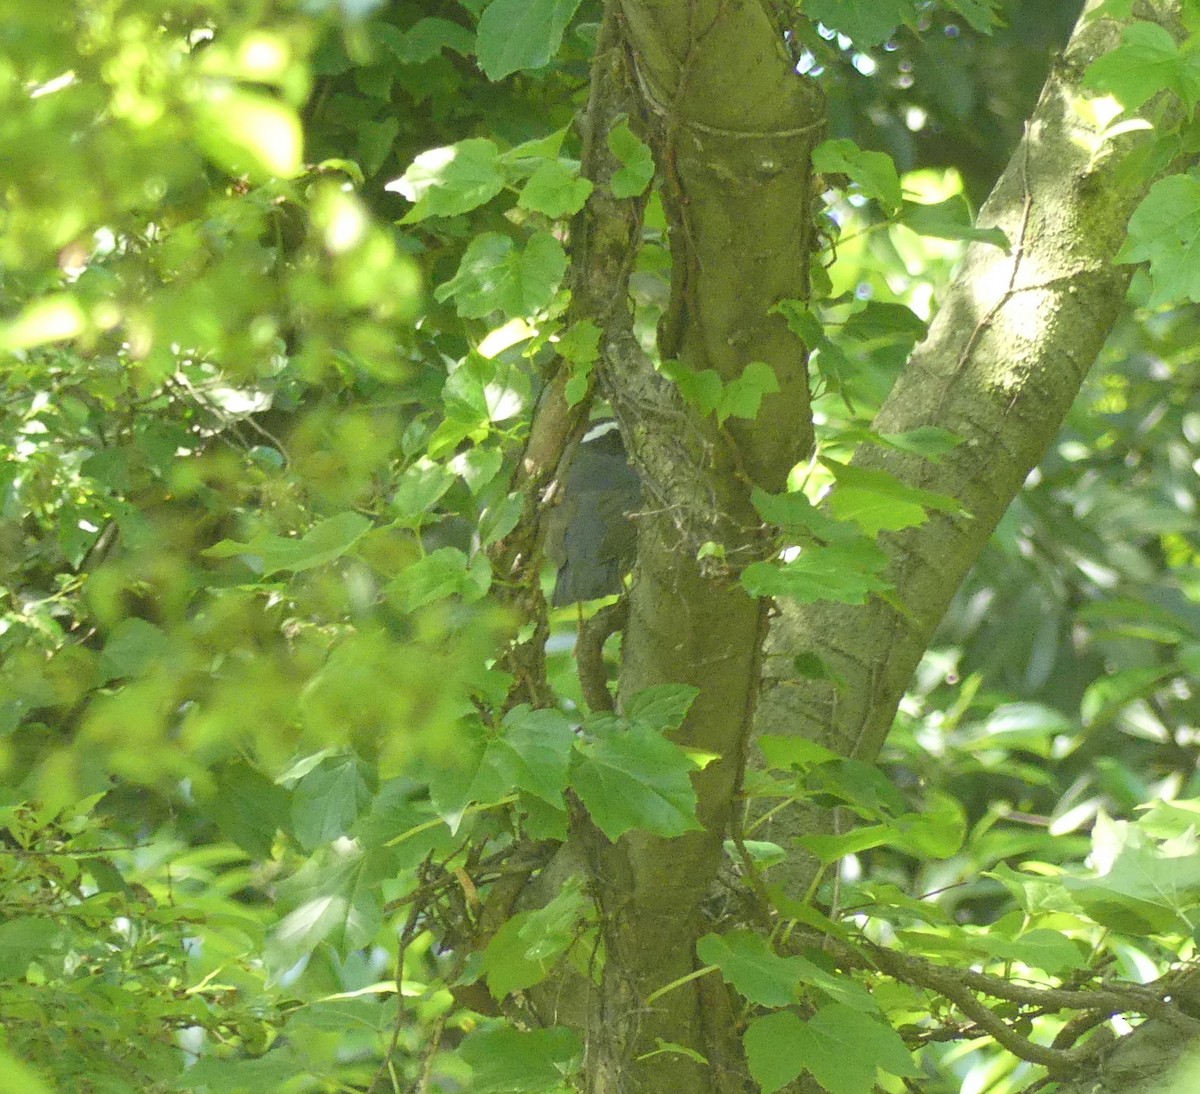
(281, 286)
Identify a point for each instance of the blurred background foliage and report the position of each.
(250, 462)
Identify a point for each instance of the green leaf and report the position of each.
(510, 1061)
(448, 181)
(49, 319)
(873, 172)
(862, 785)
(865, 22)
(426, 39)
(550, 930)
(847, 572)
(950, 219)
(326, 542)
(802, 322)
(336, 896)
(862, 837)
(1145, 892)
(327, 801)
(244, 1076)
(1110, 694)
(534, 752)
(24, 939)
(748, 963)
(15, 1075)
(742, 396)
(662, 707)
(877, 501)
(928, 441)
(134, 648)
(633, 777)
(375, 141)
(638, 170)
(786, 753)
(497, 520)
(580, 346)
(420, 488)
(521, 34)
(478, 466)
(526, 156)
(701, 388)
(249, 134)
(508, 963)
(979, 13)
(1050, 951)
(1146, 62)
(440, 574)
(1169, 819)
(1028, 727)
(580, 343)
(495, 276)
(937, 832)
(1165, 231)
(777, 1049)
(830, 359)
(879, 319)
(752, 967)
(837, 1045)
(793, 512)
(555, 189)
(763, 853)
(248, 807)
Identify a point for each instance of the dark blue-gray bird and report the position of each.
(590, 536)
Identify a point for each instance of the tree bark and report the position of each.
(732, 126)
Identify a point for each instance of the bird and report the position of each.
(590, 535)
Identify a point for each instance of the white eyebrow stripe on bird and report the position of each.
(599, 430)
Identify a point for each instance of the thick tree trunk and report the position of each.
(732, 126)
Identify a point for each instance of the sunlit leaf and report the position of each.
(521, 34)
(251, 134)
(447, 181)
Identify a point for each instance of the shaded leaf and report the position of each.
(510, 1061)
(633, 777)
(326, 542)
(248, 807)
(327, 801)
(24, 939)
(950, 219)
(662, 707)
